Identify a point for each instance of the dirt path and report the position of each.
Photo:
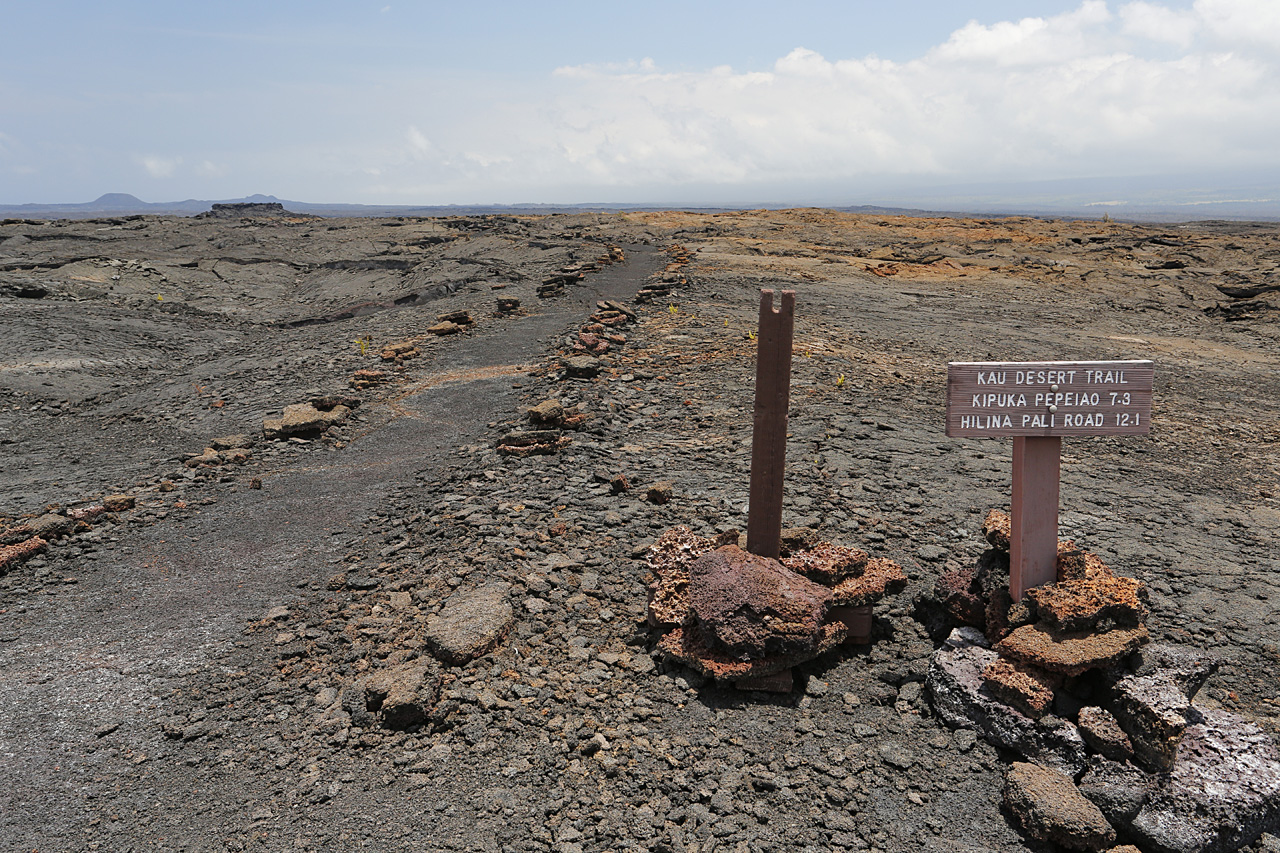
(165, 600)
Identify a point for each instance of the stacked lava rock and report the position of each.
(742, 618)
(604, 331)
(1089, 620)
(670, 278)
(1065, 678)
(548, 418)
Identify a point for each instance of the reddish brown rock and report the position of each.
(959, 593)
(1049, 807)
(17, 533)
(1079, 605)
(1024, 687)
(881, 577)
(825, 563)
(118, 502)
(1101, 731)
(753, 606)
(1075, 563)
(1070, 654)
(997, 528)
(16, 555)
(689, 647)
(997, 614)
(669, 558)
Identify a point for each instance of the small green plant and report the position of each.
(840, 381)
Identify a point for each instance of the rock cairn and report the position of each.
(661, 286)
(554, 284)
(746, 619)
(1067, 679)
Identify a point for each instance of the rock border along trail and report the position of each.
(345, 714)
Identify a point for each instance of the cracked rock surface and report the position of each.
(205, 670)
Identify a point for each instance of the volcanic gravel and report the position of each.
(186, 675)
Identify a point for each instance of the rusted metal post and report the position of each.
(1033, 543)
(769, 435)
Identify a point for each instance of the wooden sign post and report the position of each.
(1037, 403)
(769, 433)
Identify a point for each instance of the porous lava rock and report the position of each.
(689, 646)
(958, 695)
(670, 558)
(1075, 563)
(1071, 653)
(1152, 710)
(1026, 688)
(823, 562)
(997, 528)
(1080, 605)
(17, 554)
(754, 607)
(1048, 807)
(534, 442)
(1100, 730)
(739, 617)
(881, 577)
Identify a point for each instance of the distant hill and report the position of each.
(1147, 200)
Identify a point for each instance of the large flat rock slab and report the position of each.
(1071, 653)
(1048, 807)
(960, 698)
(470, 624)
(1222, 794)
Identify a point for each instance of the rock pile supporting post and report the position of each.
(769, 436)
(1033, 541)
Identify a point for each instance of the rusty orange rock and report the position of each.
(14, 555)
(1022, 686)
(826, 563)
(998, 528)
(1070, 653)
(881, 577)
(1079, 605)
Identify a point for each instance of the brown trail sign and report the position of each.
(769, 433)
(1037, 403)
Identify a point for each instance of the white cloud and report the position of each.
(419, 145)
(160, 167)
(1159, 23)
(1242, 22)
(1138, 88)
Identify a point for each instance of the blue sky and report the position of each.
(439, 103)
